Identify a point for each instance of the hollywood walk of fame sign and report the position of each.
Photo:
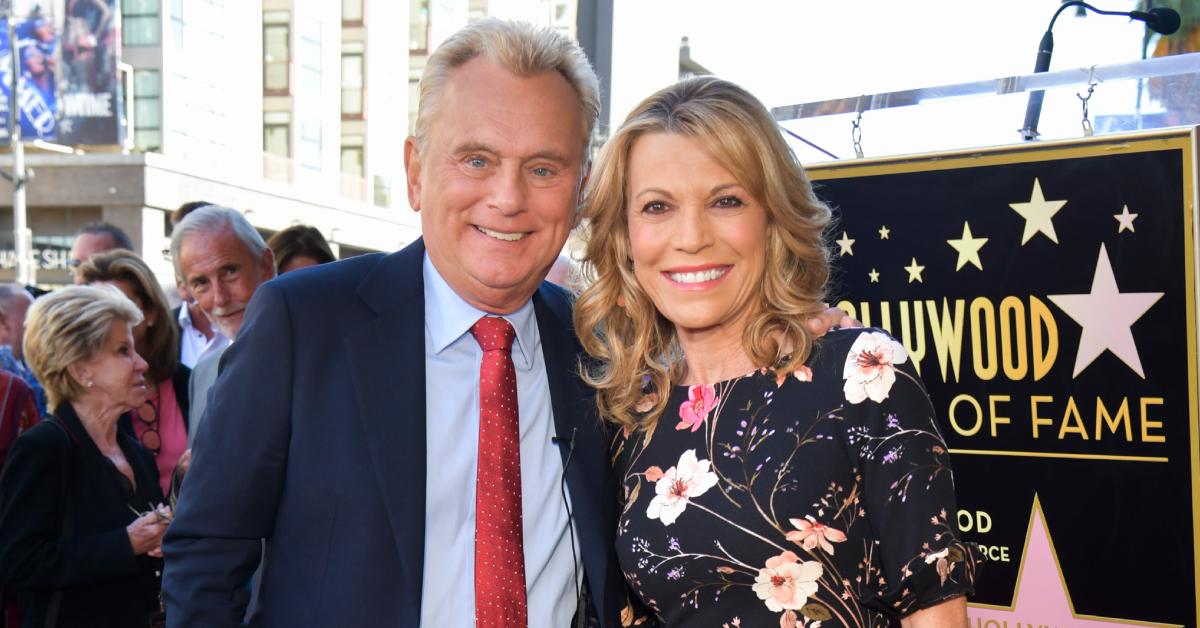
(1057, 338)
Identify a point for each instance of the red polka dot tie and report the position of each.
(499, 550)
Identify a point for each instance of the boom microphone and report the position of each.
(1158, 19)
(1161, 20)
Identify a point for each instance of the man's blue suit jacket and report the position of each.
(314, 439)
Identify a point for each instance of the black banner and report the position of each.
(1047, 296)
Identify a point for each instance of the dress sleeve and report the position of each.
(891, 428)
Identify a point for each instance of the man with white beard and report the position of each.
(222, 260)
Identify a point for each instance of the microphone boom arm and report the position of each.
(1033, 109)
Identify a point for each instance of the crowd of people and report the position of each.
(439, 437)
(98, 383)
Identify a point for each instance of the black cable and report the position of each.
(789, 132)
(580, 612)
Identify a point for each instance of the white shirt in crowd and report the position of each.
(192, 344)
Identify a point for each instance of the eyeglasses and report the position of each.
(148, 415)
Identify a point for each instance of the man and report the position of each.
(318, 435)
(197, 335)
(93, 238)
(378, 415)
(221, 260)
(14, 303)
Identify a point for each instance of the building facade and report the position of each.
(280, 108)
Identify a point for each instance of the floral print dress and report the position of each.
(823, 498)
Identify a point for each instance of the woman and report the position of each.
(769, 478)
(299, 246)
(71, 543)
(160, 424)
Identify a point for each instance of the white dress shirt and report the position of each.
(452, 360)
(192, 344)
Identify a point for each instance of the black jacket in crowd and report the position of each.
(102, 583)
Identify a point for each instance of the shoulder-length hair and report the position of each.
(162, 339)
(633, 348)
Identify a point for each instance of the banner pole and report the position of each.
(21, 236)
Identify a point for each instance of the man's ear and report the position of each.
(268, 263)
(412, 172)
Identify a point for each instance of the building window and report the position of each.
(352, 79)
(352, 12)
(277, 52)
(418, 26)
(309, 85)
(383, 192)
(147, 110)
(139, 23)
(353, 156)
(177, 22)
(277, 133)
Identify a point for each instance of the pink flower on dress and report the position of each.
(810, 534)
(786, 583)
(685, 481)
(654, 473)
(701, 400)
(870, 367)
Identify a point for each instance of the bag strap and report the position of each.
(68, 510)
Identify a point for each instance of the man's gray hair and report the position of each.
(9, 291)
(211, 219)
(521, 48)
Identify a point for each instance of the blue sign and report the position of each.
(37, 98)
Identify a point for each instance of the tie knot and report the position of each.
(494, 333)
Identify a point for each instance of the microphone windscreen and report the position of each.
(1164, 21)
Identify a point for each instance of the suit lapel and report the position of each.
(387, 363)
(559, 354)
(587, 473)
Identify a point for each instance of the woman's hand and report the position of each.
(185, 460)
(146, 532)
(830, 318)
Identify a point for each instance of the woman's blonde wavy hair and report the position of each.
(632, 350)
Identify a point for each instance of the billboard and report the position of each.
(69, 86)
(1047, 294)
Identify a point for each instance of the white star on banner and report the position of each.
(1125, 219)
(1037, 214)
(846, 243)
(1106, 315)
(968, 248)
(914, 271)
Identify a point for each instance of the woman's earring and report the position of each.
(90, 383)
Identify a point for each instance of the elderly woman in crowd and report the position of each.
(770, 478)
(71, 541)
(160, 424)
(299, 246)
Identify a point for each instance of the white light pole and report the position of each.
(22, 236)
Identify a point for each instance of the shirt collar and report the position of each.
(185, 317)
(448, 317)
